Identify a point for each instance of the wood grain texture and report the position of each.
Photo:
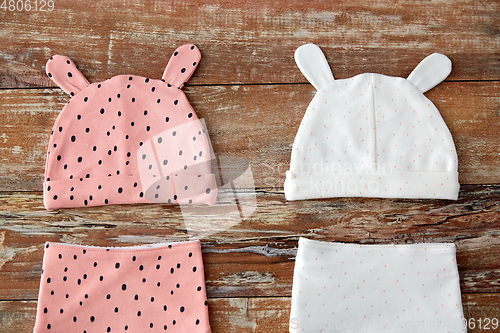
(257, 123)
(245, 315)
(255, 257)
(250, 42)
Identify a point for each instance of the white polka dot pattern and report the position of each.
(375, 288)
(372, 136)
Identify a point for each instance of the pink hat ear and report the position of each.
(64, 73)
(182, 65)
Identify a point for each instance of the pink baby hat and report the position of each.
(372, 135)
(128, 139)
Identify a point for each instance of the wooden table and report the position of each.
(252, 97)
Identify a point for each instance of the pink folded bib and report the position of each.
(151, 288)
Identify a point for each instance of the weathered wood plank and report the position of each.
(258, 123)
(241, 315)
(252, 42)
(255, 256)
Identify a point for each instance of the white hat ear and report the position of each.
(312, 63)
(430, 72)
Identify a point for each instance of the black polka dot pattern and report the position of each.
(100, 133)
(78, 303)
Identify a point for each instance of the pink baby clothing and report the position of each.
(128, 139)
(372, 135)
(151, 288)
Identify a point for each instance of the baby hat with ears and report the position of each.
(372, 135)
(129, 139)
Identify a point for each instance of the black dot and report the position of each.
(88, 176)
(79, 117)
(182, 309)
(176, 53)
(85, 276)
(147, 80)
(133, 99)
(165, 162)
(87, 130)
(197, 321)
(58, 157)
(130, 78)
(138, 313)
(72, 94)
(52, 292)
(174, 133)
(190, 115)
(177, 285)
(145, 112)
(60, 129)
(158, 284)
(160, 140)
(176, 102)
(141, 194)
(199, 288)
(148, 128)
(117, 265)
(178, 265)
(74, 319)
(79, 281)
(132, 124)
(152, 299)
(101, 278)
(94, 148)
(95, 264)
(126, 327)
(69, 74)
(157, 266)
(119, 113)
(171, 292)
(167, 119)
(158, 101)
(68, 62)
(173, 322)
(108, 296)
(183, 70)
(85, 202)
(192, 47)
(136, 297)
(65, 166)
(150, 325)
(190, 254)
(108, 133)
(48, 326)
(153, 89)
(79, 159)
(208, 191)
(50, 74)
(81, 303)
(126, 136)
(141, 267)
(134, 258)
(67, 295)
(99, 85)
(55, 197)
(118, 96)
(85, 99)
(143, 280)
(60, 256)
(106, 201)
(172, 270)
(102, 111)
(115, 148)
(194, 269)
(108, 329)
(99, 162)
(92, 318)
(116, 309)
(128, 86)
(185, 187)
(120, 190)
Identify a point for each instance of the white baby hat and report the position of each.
(372, 135)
